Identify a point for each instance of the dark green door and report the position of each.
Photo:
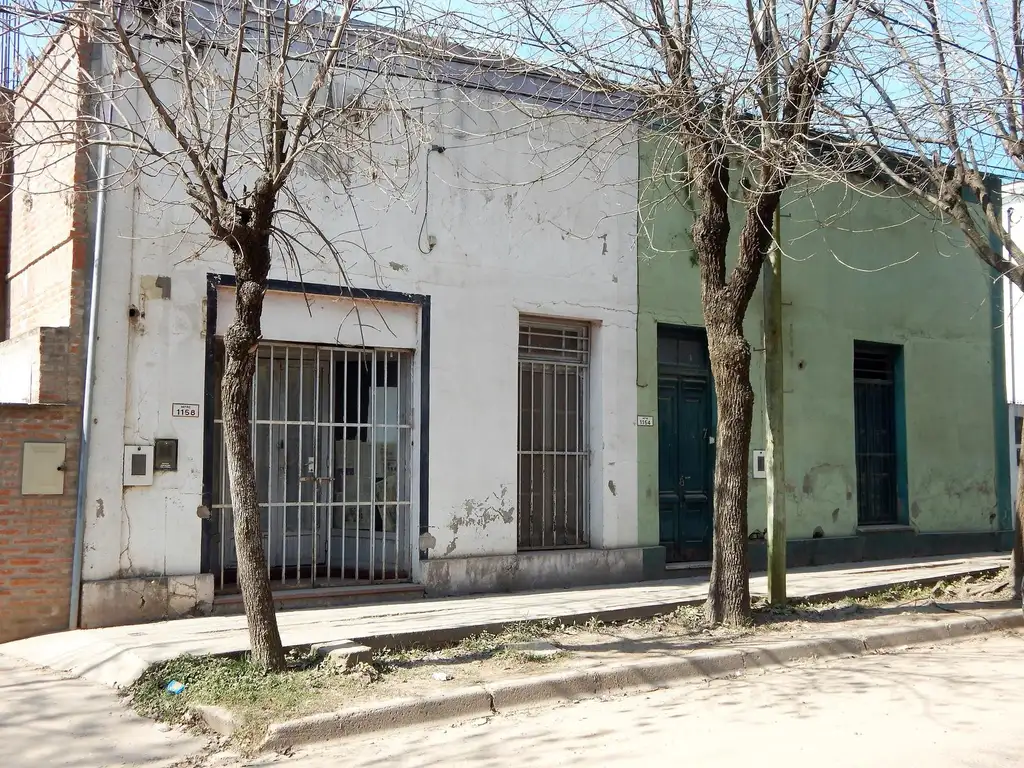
(874, 392)
(685, 445)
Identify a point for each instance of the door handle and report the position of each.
(682, 481)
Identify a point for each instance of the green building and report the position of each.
(895, 421)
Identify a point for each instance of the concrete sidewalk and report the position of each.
(116, 656)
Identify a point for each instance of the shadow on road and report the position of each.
(46, 720)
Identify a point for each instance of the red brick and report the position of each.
(44, 250)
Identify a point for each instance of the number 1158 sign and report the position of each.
(185, 410)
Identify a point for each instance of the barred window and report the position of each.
(1018, 427)
(554, 444)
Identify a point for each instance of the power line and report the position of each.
(873, 11)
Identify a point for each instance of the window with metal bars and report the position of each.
(554, 444)
(874, 386)
(1018, 427)
(331, 435)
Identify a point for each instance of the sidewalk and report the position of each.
(116, 656)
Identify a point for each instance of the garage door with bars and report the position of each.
(554, 445)
(331, 435)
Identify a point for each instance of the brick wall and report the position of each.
(47, 273)
(44, 195)
(36, 532)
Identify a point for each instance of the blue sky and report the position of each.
(617, 51)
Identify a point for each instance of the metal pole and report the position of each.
(774, 397)
(1013, 375)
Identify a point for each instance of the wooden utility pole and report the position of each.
(774, 447)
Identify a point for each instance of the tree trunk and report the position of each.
(240, 349)
(724, 307)
(729, 591)
(1017, 569)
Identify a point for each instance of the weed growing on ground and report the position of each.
(477, 647)
(898, 597)
(257, 697)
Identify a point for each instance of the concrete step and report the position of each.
(688, 570)
(230, 603)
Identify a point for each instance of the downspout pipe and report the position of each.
(1010, 289)
(1013, 380)
(84, 443)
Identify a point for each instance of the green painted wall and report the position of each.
(860, 267)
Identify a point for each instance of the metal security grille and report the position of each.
(874, 389)
(1018, 427)
(11, 61)
(331, 444)
(554, 445)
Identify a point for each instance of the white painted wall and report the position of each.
(1013, 300)
(1013, 309)
(529, 216)
(19, 363)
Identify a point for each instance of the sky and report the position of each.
(588, 31)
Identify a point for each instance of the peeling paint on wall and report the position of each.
(829, 471)
(479, 514)
(944, 504)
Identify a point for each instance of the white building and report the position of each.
(453, 413)
(1013, 305)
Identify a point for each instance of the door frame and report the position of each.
(895, 353)
(699, 334)
(420, 385)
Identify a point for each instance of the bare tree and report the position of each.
(731, 90)
(226, 102)
(933, 106)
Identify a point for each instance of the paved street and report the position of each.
(47, 721)
(945, 706)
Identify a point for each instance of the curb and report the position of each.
(219, 720)
(644, 675)
(457, 703)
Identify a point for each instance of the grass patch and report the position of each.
(479, 647)
(257, 697)
(312, 683)
(988, 587)
(898, 595)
